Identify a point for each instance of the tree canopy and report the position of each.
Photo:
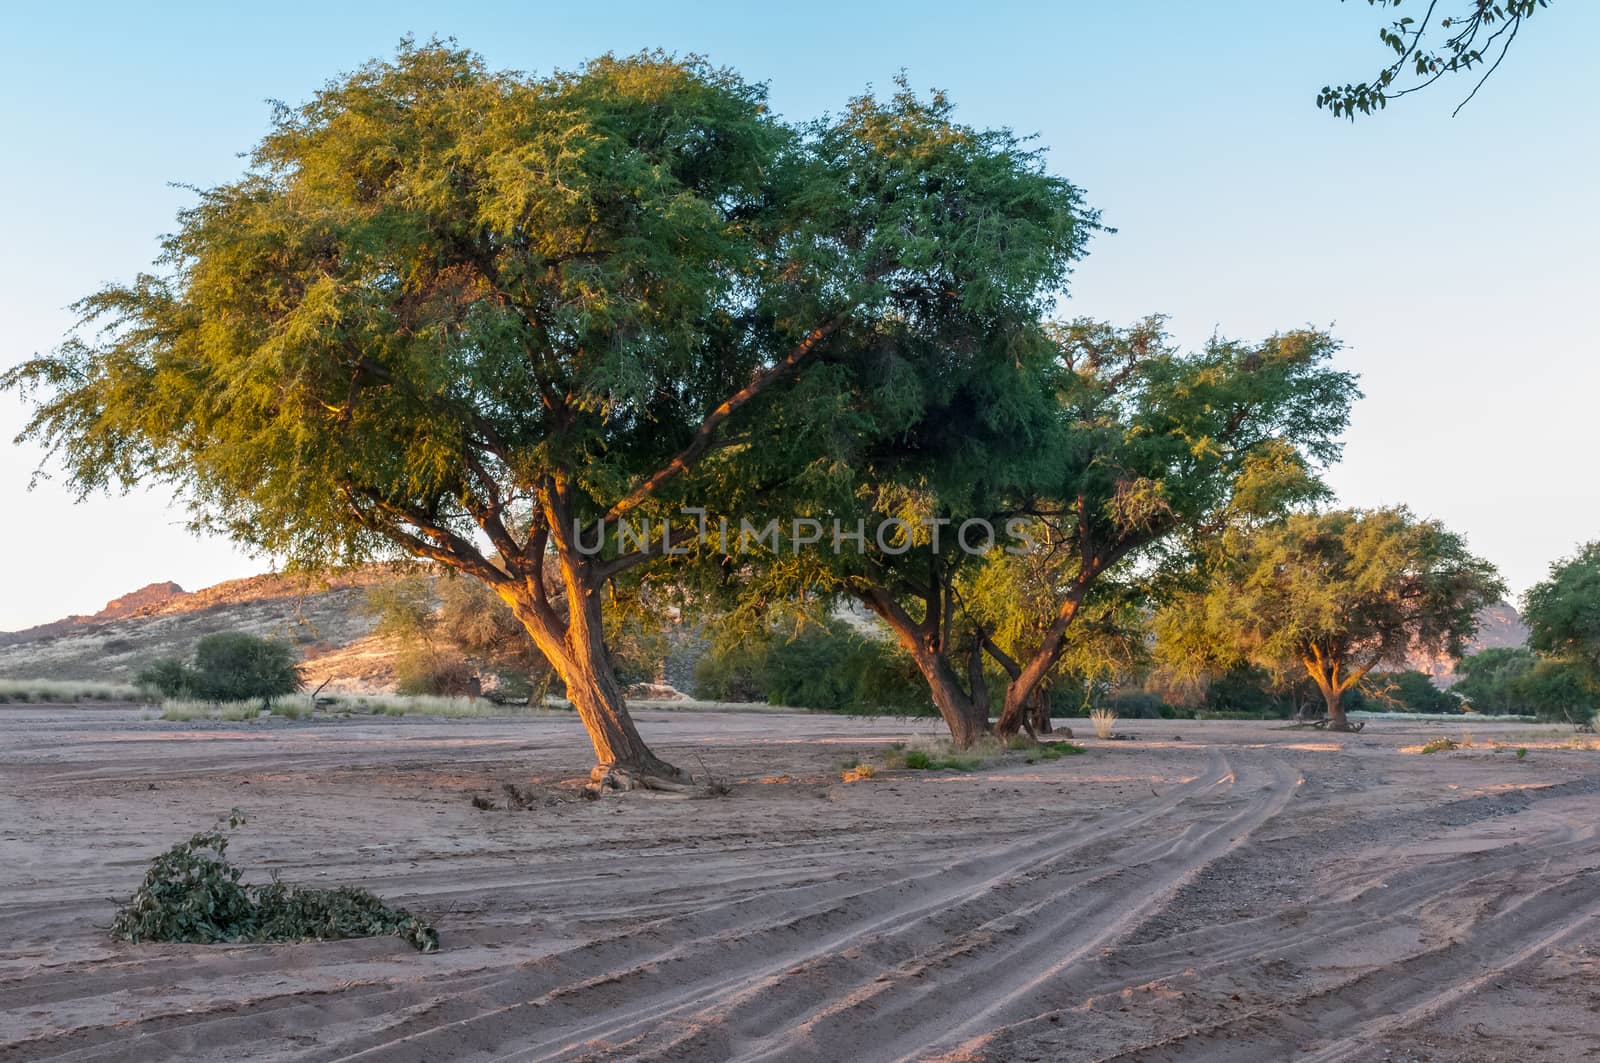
(469, 315)
(1334, 594)
(1563, 611)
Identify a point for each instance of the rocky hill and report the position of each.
(1499, 627)
(322, 615)
(143, 600)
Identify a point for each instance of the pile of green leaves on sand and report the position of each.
(191, 894)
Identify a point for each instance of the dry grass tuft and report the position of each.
(1105, 722)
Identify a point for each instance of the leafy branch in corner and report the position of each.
(1474, 40)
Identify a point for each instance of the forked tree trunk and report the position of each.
(966, 716)
(1325, 670)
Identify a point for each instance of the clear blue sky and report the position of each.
(1454, 257)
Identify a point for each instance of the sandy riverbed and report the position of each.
(1211, 891)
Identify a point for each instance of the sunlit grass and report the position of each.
(183, 710)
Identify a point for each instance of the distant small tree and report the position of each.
(1333, 594)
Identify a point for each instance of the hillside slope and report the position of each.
(322, 616)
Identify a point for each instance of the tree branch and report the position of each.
(705, 434)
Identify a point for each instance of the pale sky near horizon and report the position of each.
(1452, 256)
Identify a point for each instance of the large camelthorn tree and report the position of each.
(467, 315)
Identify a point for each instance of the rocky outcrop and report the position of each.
(1499, 627)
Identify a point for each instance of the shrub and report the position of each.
(234, 666)
(168, 677)
(732, 669)
(425, 673)
(192, 895)
(834, 668)
(1440, 745)
(1054, 751)
(228, 666)
(1490, 679)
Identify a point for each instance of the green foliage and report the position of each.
(1439, 745)
(1331, 595)
(234, 666)
(1048, 751)
(1563, 611)
(833, 667)
(1411, 691)
(1474, 36)
(167, 677)
(229, 666)
(452, 632)
(1560, 690)
(191, 894)
(403, 609)
(1491, 681)
(805, 661)
(732, 669)
(437, 286)
(925, 760)
(446, 306)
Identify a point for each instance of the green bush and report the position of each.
(228, 666)
(732, 669)
(833, 667)
(1562, 691)
(1491, 680)
(234, 666)
(192, 895)
(168, 677)
(827, 665)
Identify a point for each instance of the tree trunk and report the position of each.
(967, 717)
(580, 658)
(967, 720)
(1337, 720)
(1014, 710)
(1041, 712)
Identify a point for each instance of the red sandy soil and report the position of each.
(1210, 891)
